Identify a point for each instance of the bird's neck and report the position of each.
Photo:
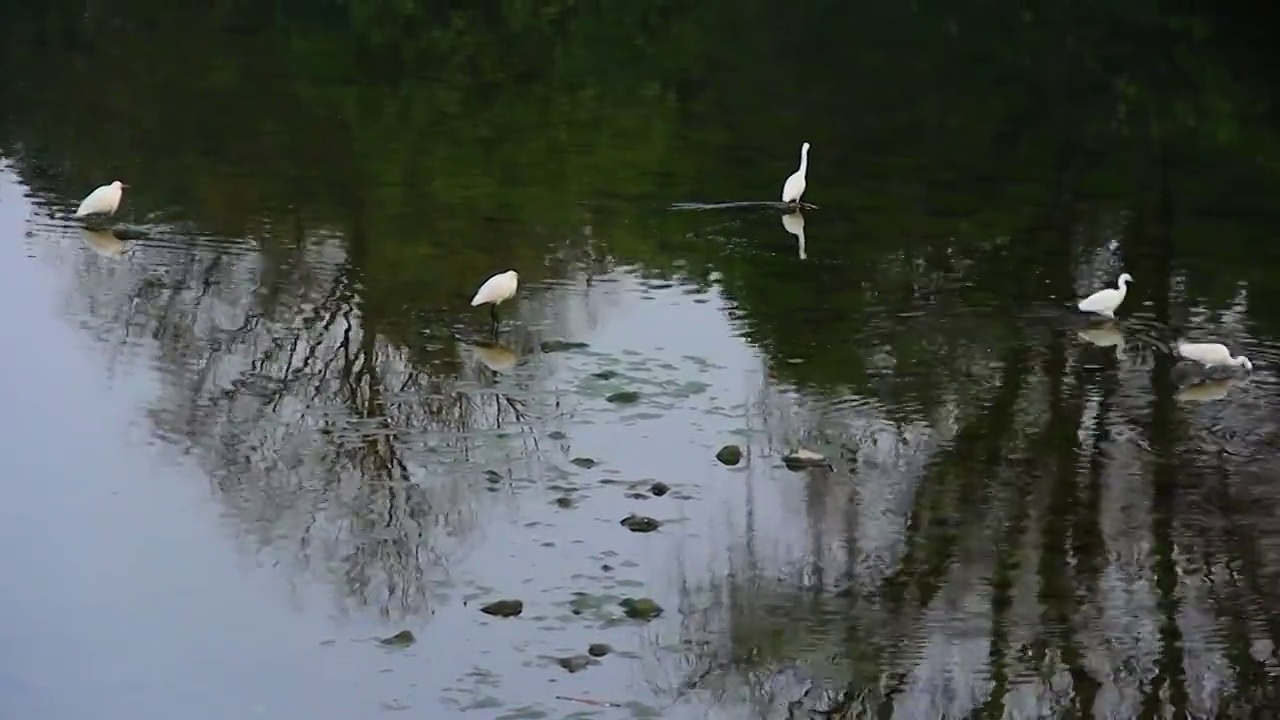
(804, 161)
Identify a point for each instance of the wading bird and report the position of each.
(104, 200)
(495, 291)
(1105, 302)
(1213, 355)
(793, 188)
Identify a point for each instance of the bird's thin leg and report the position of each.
(493, 315)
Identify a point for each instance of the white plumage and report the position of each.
(1212, 355)
(1105, 302)
(793, 188)
(495, 291)
(104, 200)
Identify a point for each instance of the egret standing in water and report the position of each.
(104, 200)
(1213, 355)
(1105, 302)
(793, 188)
(495, 291)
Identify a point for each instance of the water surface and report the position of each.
(253, 427)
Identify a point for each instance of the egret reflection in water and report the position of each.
(497, 357)
(1206, 391)
(103, 242)
(794, 224)
(1107, 335)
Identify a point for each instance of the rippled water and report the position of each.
(253, 429)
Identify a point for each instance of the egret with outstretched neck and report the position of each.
(495, 291)
(1213, 355)
(793, 188)
(104, 200)
(1105, 302)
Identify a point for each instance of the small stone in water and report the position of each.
(599, 649)
(581, 604)
(493, 476)
(576, 663)
(564, 501)
(641, 608)
(605, 375)
(585, 463)
(637, 496)
(624, 397)
(557, 435)
(659, 488)
(729, 455)
(503, 608)
(551, 346)
(404, 638)
(640, 523)
(802, 458)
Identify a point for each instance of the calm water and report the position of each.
(265, 430)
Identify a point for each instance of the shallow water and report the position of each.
(252, 426)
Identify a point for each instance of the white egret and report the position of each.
(1105, 302)
(1213, 355)
(495, 291)
(793, 188)
(104, 200)
(794, 224)
(103, 242)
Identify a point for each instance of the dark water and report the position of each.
(266, 429)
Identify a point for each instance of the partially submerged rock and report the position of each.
(640, 523)
(802, 458)
(659, 488)
(640, 608)
(503, 608)
(585, 463)
(729, 455)
(623, 397)
(550, 346)
(404, 638)
(576, 663)
(599, 649)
